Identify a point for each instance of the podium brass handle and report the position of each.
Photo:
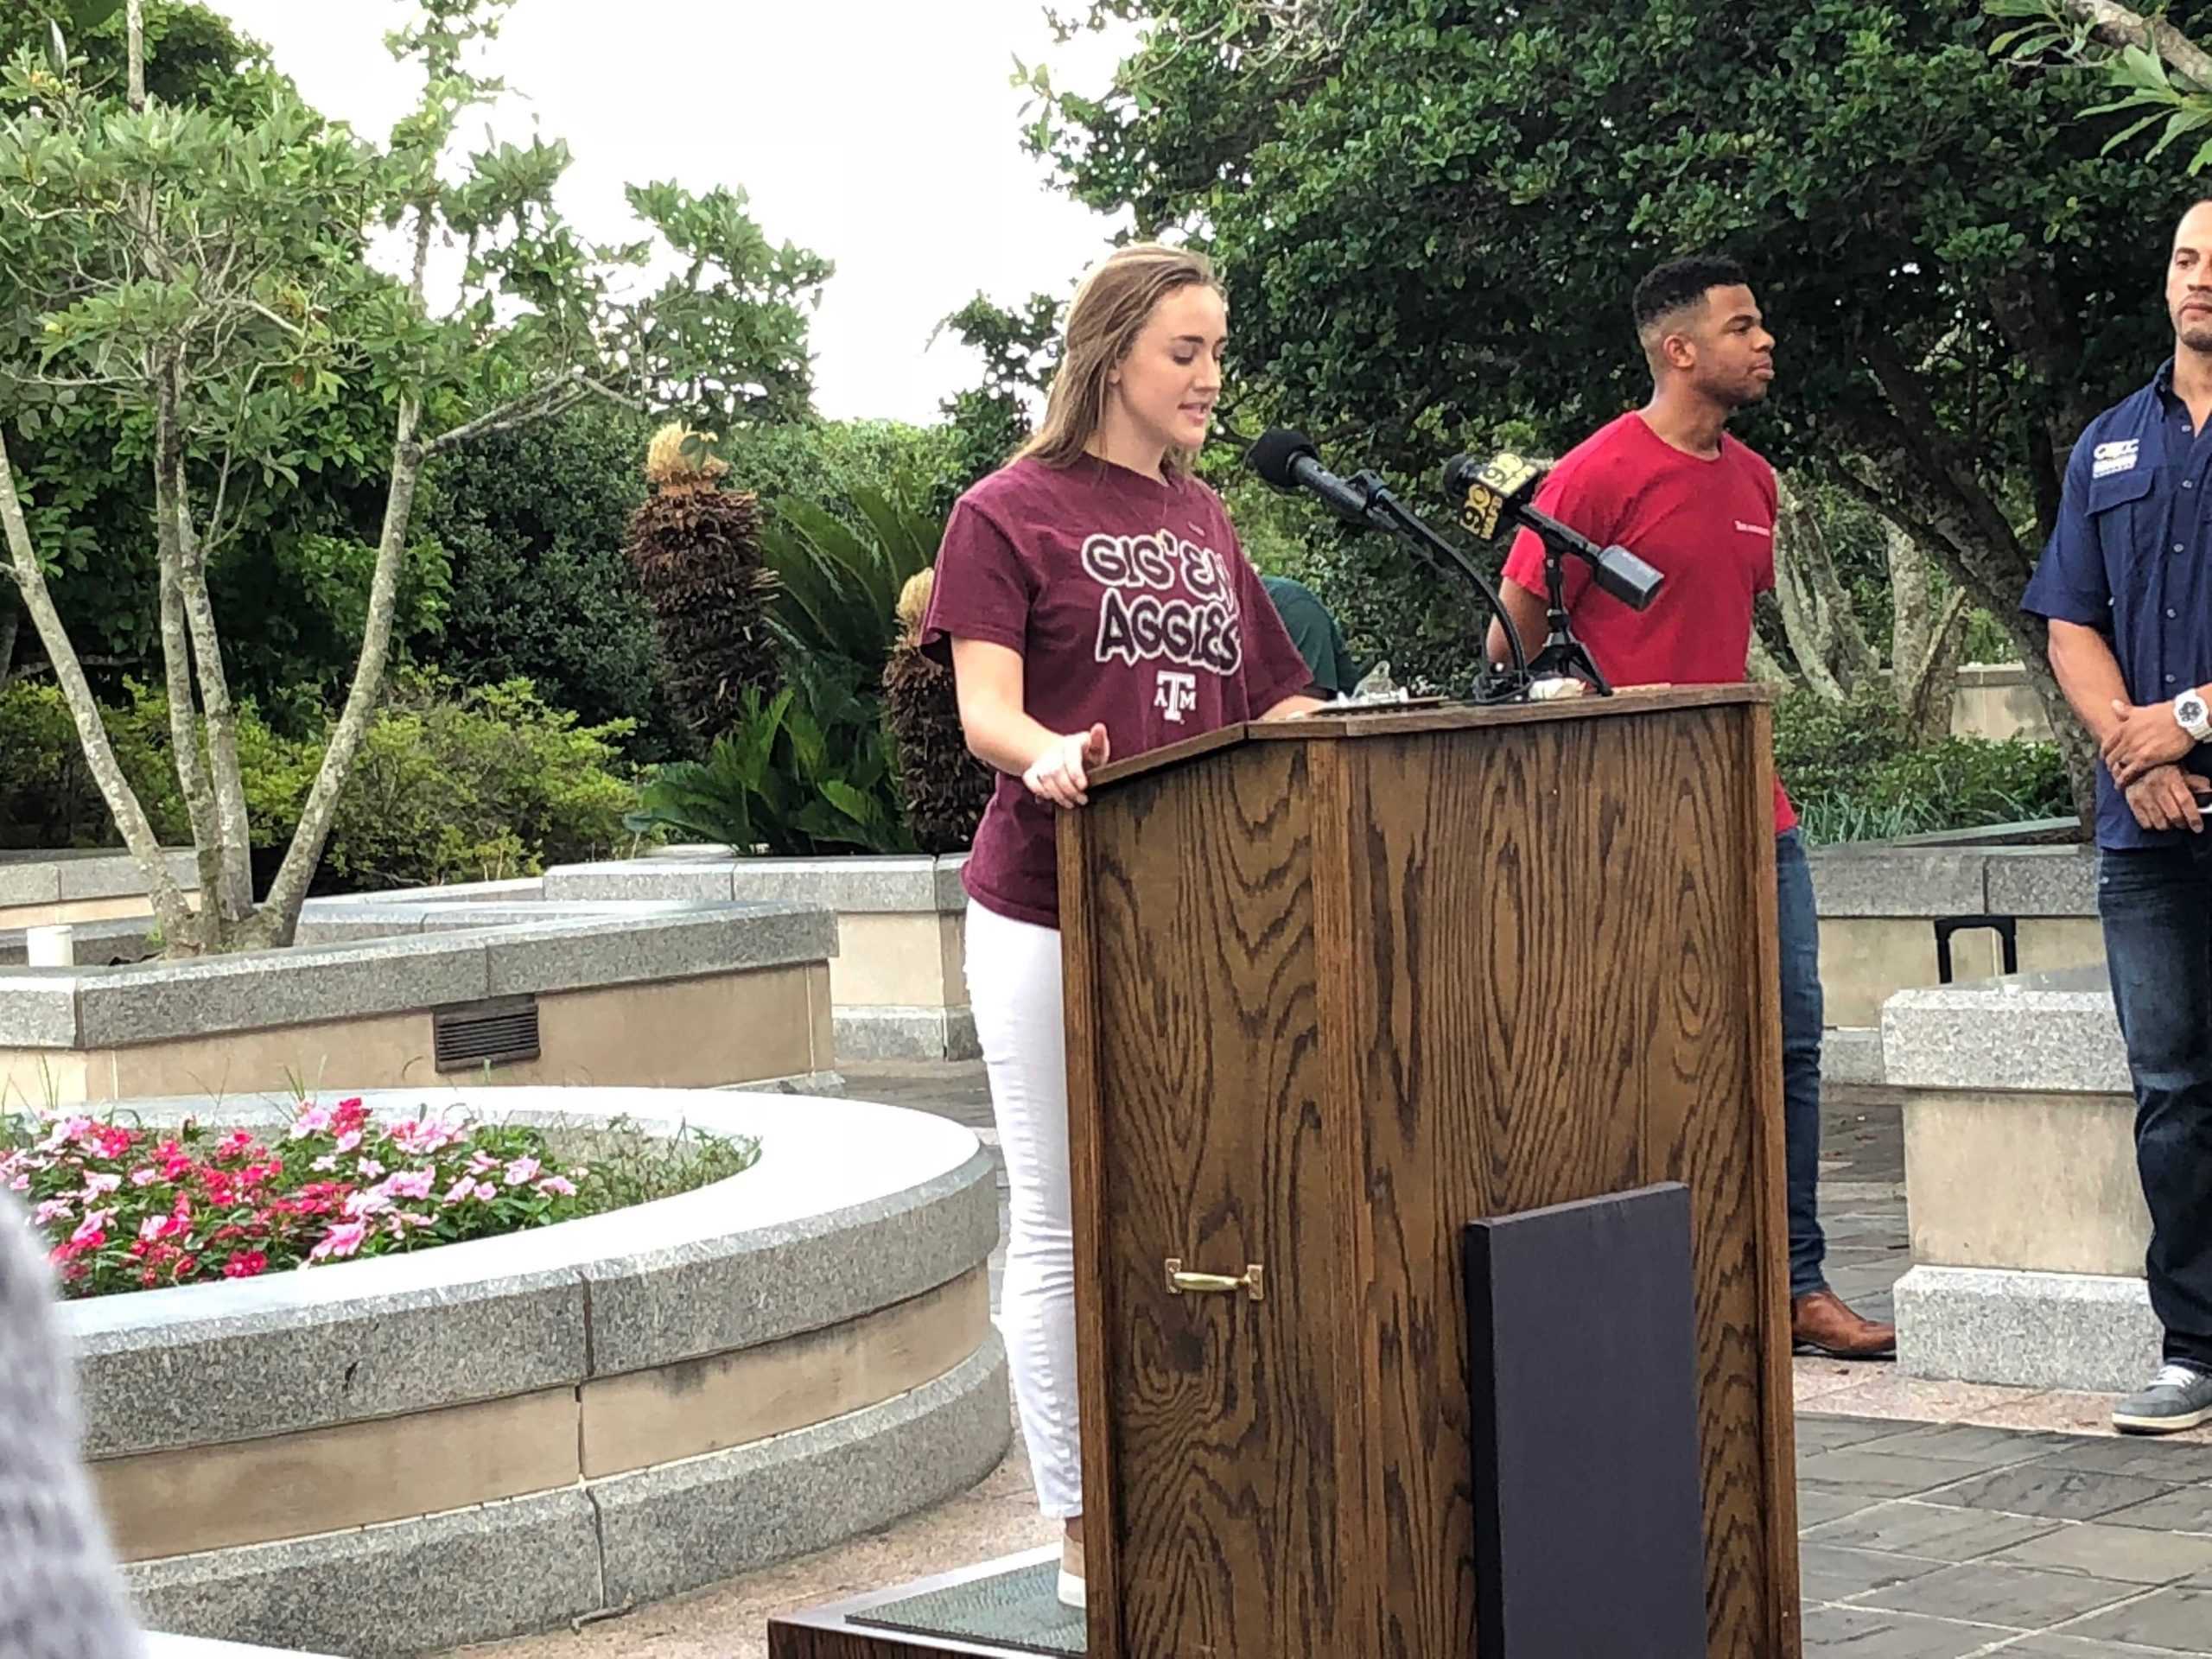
(1180, 1282)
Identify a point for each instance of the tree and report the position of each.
(1429, 218)
(203, 269)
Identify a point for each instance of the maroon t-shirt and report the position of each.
(1131, 606)
(1707, 526)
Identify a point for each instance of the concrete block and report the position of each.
(2026, 1330)
(2051, 1033)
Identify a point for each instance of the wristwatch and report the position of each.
(2193, 717)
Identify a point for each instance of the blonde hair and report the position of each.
(1109, 311)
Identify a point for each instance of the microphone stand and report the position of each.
(1562, 653)
(1384, 510)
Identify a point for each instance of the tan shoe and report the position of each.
(1821, 1323)
(1072, 1593)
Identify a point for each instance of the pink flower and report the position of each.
(483, 1163)
(368, 1202)
(145, 1177)
(522, 1171)
(370, 1169)
(410, 1184)
(97, 1181)
(421, 1136)
(52, 1209)
(465, 1187)
(325, 1164)
(20, 1184)
(557, 1186)
(92, 1226)
(485, 1191)
(348, 1140)
(342, 1240)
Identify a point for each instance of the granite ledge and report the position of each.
(2048, 1033)
(682, 1525)
(376, 1592)
(860, 885)
(68, 876)
(671, 943)
(161, 1000)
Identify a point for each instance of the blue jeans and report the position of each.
(1801, 1014)
(2155, 904)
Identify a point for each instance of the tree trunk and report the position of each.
(280, 911)
(171, 909)
(176, 659)
(1824, 632)
(1927, 637)
(1762, 669)
(232, 900)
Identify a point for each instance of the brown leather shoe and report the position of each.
(1820, 1323)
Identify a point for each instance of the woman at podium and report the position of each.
(1092, 600)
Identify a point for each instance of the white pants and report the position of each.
(1014, 986)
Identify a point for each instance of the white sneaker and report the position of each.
(1071, 1587)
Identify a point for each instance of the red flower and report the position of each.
(244, 1264)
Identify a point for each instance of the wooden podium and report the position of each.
(1336, 988)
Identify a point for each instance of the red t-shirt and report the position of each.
(1706, 525)
(1131, 604)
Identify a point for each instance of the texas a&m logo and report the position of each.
(1177, 694)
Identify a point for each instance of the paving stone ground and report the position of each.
(1938, 1520)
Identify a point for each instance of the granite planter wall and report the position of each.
(1887, 908)
(2027, 1220)
(898, 984)
(406, 1455)
(39, 889)
(387, 993)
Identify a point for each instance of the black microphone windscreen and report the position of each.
(1459, 473)
(1272, 456)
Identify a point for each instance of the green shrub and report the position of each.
(807, 771)
(474, 783)
(451, 784)
(1855, 776)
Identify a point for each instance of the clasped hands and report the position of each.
(2140, 752)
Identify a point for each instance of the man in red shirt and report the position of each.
(1667, 483)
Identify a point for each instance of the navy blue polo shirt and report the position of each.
(2132, 558)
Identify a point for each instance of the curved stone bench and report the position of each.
(412, 1452)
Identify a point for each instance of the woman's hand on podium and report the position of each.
(1062, 773)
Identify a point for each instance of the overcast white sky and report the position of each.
(883, 134)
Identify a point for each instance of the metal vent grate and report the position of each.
(496, 1033)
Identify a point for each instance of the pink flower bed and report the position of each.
(125, 1209)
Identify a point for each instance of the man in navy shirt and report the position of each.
(2127, 583)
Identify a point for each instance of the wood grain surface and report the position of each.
(1330, 999)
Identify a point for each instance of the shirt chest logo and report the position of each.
(1766, 530)
(2117, 456)
(1178, 695)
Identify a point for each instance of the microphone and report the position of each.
(1501, 487)
(1289, 460)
